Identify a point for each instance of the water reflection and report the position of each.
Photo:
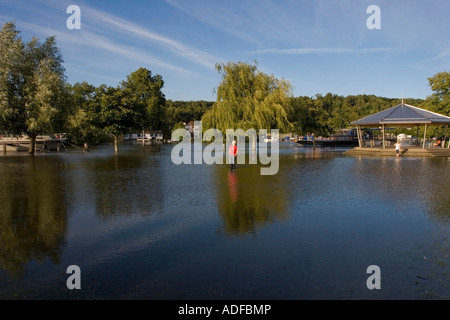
(124, 184)
(141, 227)
(233, 185)
(408, 182)
(247, 200)
(33, 215)
(436, 194)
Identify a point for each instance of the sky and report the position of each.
(319, 46)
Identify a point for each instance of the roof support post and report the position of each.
(424, 136)
(358, 132)
(384, 140)
(445, 137)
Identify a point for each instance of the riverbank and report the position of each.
(406, 152)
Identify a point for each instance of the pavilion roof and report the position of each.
(403, 114)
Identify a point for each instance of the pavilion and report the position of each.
(402, 115)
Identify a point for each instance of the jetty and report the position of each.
(22, 143)
(405, 152)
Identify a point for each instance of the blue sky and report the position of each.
(319, 46)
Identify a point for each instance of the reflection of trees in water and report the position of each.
(409, 181)
(33, 213)
(438, 182)
(247, 200)
(125, 184)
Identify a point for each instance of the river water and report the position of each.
(140, 227)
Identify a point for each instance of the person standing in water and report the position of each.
(232, 152)
(398, 147)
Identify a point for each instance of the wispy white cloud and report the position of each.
(130, 29)
(442, 55)
(324, 50)
(97, 42)
(181, 39)
(218, 15)
(97, 23)
(280, 22)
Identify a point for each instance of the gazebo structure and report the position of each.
(402, 115)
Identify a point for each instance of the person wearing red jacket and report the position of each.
(232, 152)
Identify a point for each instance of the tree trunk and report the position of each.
(32, 147)
(116, 143)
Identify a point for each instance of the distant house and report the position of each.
(132, 136)
(156, 135)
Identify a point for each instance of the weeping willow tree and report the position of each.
(249, 99)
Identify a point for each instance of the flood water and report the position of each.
(140, 227)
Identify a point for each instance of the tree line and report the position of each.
(35, 98)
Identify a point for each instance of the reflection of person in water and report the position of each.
(232, 152)
(233, 185)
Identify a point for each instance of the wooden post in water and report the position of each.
(314, 142)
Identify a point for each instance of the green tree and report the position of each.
(12, 49)
(177, 112)
(439, 101)
(81, 126)
(309, 116)
(144, 92)
(33, 91)
(249, 99)
(116, 113)
(170, 118)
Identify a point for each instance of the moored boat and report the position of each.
(344, 138)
